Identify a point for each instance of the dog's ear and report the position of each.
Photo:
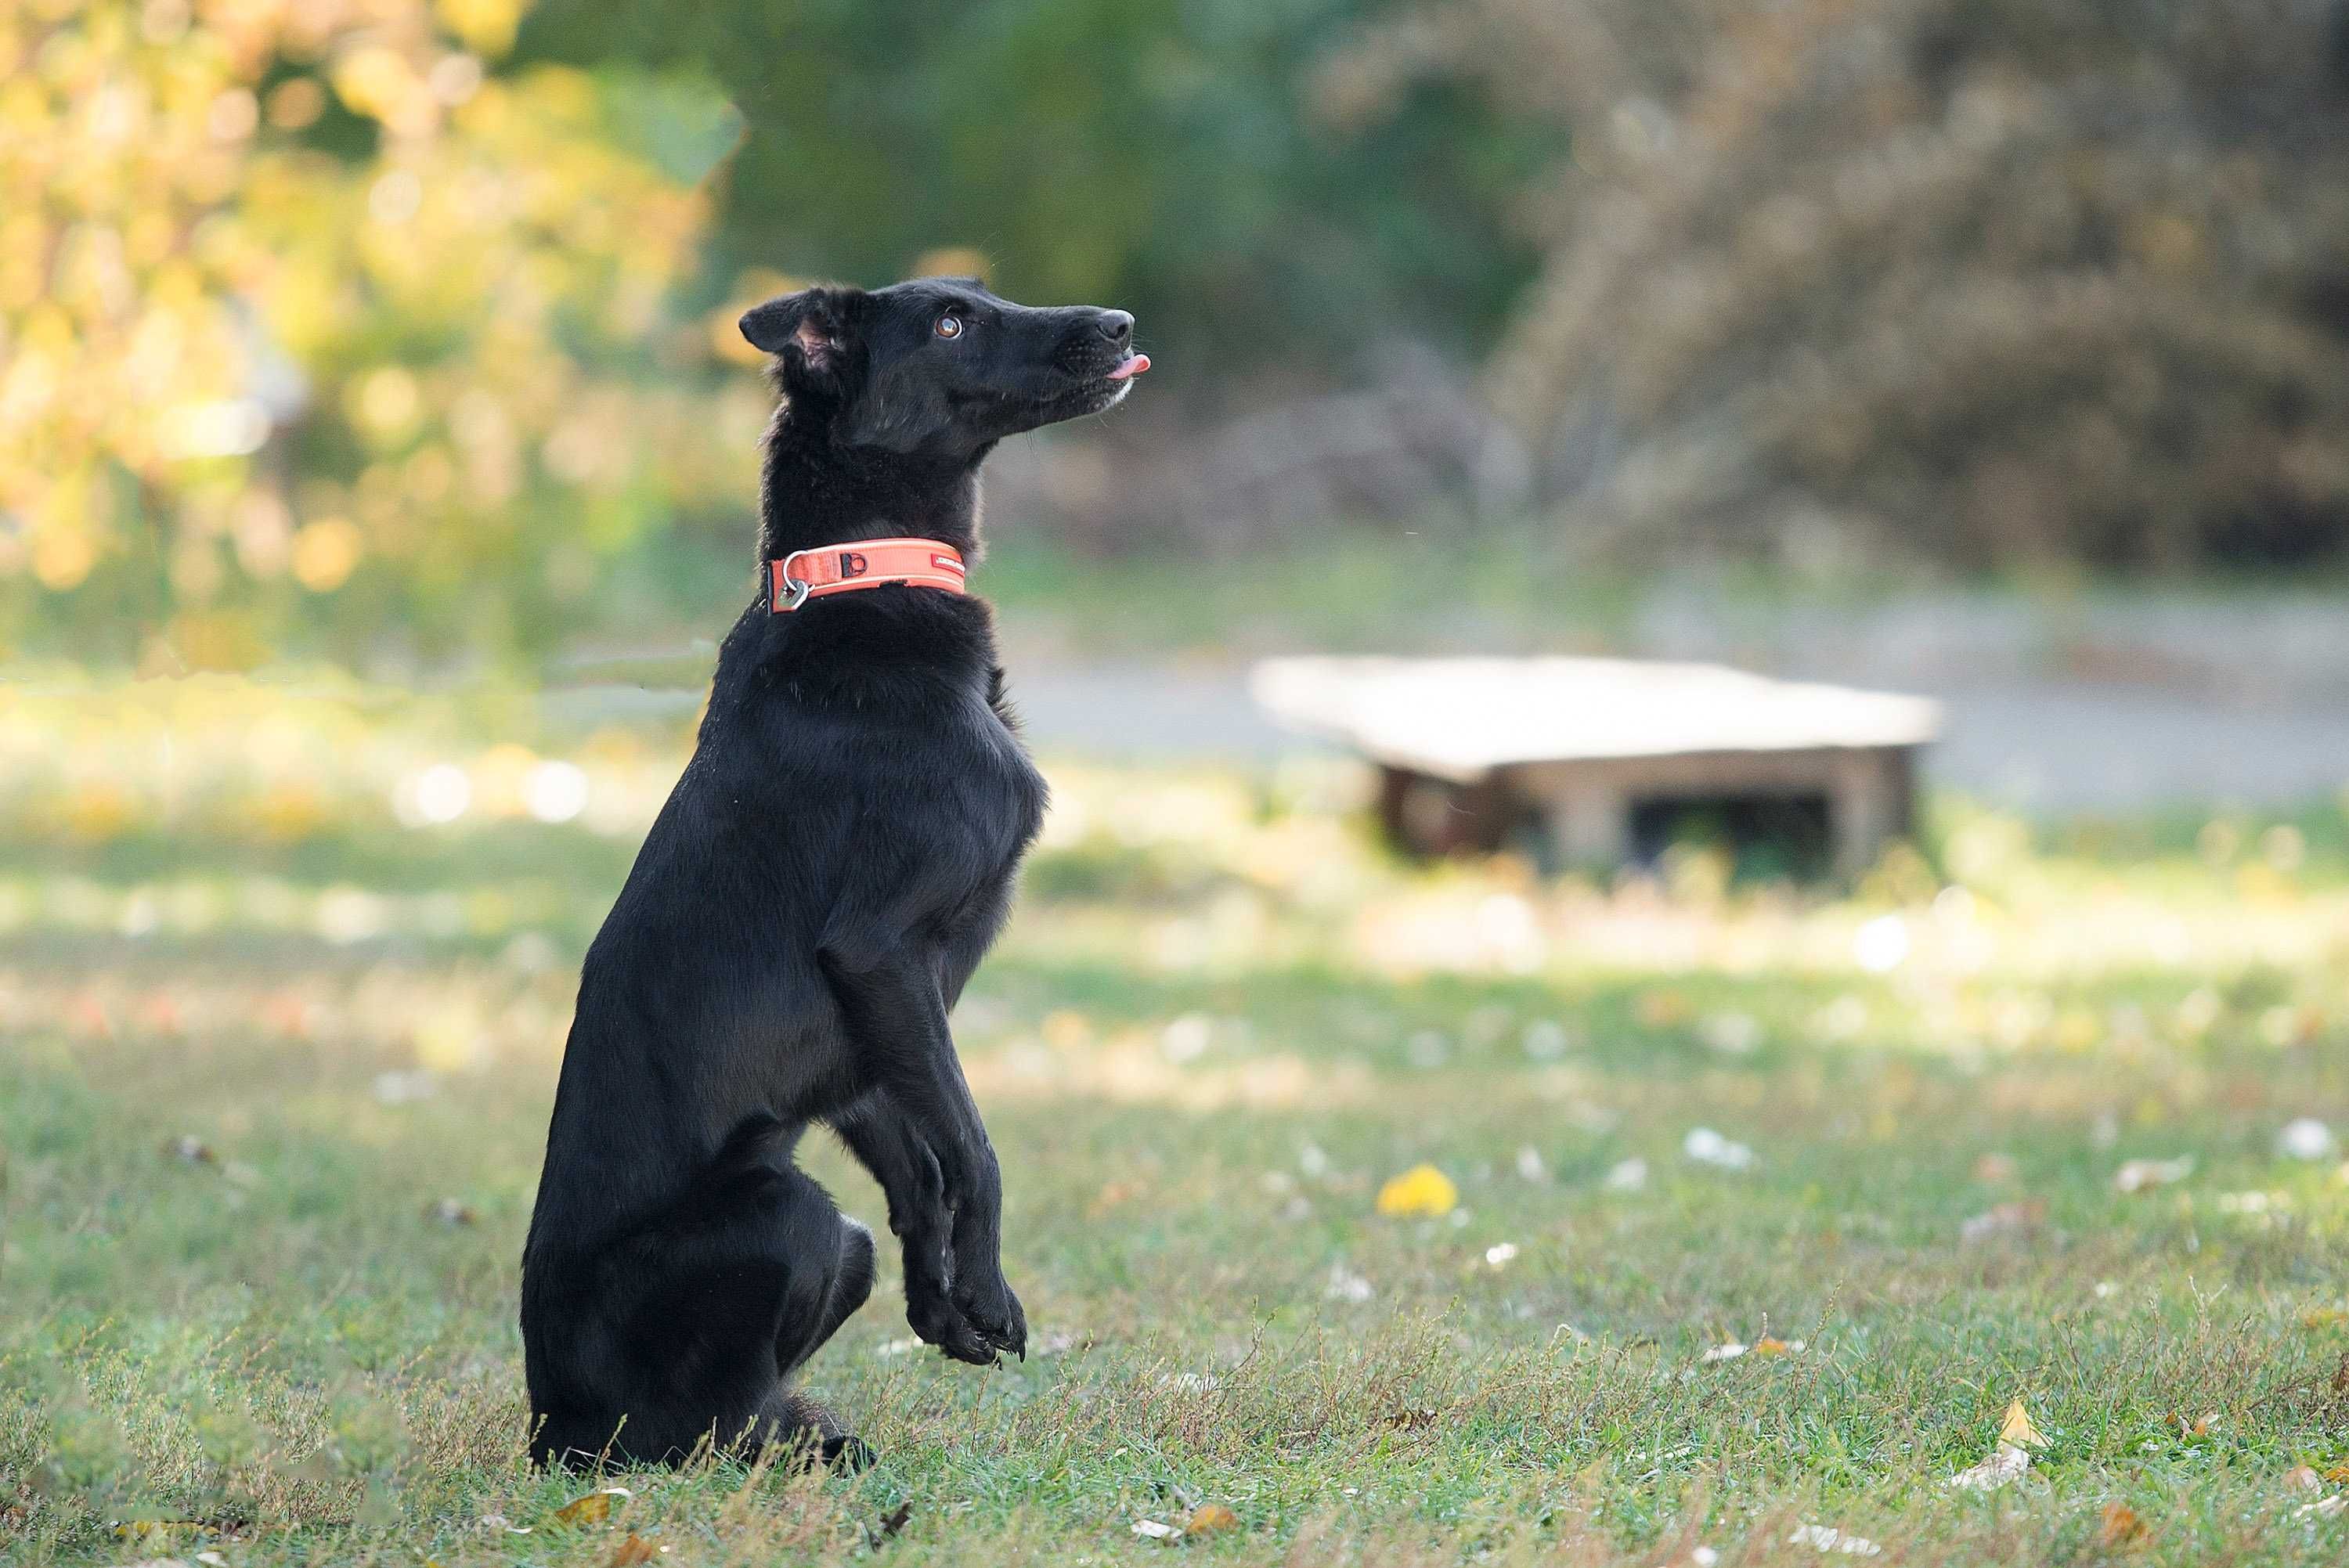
(807, 331)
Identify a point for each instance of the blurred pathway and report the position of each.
(2069, 705)
(2051, 745)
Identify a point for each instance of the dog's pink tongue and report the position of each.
(1134, 365)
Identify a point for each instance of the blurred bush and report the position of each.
(399, 331)
(396, 329)
(1984, 280)
(309, 318)
(1166, 158)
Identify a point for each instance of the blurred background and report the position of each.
(397, 333)
(1986, 349)
(378, 467)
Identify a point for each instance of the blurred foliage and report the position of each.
(1168, 158)
(308, 316)
(1983, 280)
(400, 330)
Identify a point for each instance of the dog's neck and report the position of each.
(814, 492)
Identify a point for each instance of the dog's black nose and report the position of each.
(1117, 326)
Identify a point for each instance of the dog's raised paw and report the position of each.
(996, 1314)
(940, 1322)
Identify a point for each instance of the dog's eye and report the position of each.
(949, 325)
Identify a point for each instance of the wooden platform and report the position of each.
(1570, 757)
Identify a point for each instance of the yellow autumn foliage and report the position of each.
(274, 360)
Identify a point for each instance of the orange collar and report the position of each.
(806, 574)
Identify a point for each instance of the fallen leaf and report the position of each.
(593, 1508)
(1769, 1344)
(631, 1550)
(1150, 1530)
(2008, 1464)
(2324, 1509)
(158, 1530)
(1729, 1352)
(1421, 1190)
(2017, 1429)
(1210, 1519)
(2324, 1317)
(2302, 1477)
(2122, 1528)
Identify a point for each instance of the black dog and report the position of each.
(832, 863)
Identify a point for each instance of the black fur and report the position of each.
(835, 859)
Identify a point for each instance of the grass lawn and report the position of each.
(2003, 1124)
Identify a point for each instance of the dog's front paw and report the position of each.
(940, 1322)
(988, 1306)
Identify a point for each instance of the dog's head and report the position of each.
(940, 366)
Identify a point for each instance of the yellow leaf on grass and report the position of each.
(2017, 1429)
(1421, 1190)
(593, 1508)
(1210, 1519)
(631, 1550)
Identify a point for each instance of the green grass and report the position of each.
(255, 1299)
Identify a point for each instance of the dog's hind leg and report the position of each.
(832, 1274)
(851, 1284)
(830, 1259)
(805, 1432)
(708, 1305)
